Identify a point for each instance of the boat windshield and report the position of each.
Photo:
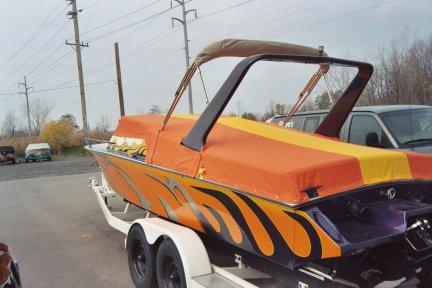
(411, 127)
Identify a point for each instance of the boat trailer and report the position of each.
(199, 271)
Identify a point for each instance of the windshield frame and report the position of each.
(329, 127)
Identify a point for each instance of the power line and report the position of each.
(60, 88)
(279, 11)
(74, 86)
(92, 4)
(167, 52)
(38, 31)
(223, 10)
(284, 16)
(34, 36)
(37, 53)
(108, 48)
(155, 58)
(159, 37)
(150, 42)
(333, 18)
(150, 19)
(9, 94)
(121, 17)
(53, 66)
(45, 59)
(103, 35)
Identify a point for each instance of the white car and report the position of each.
(38, 152)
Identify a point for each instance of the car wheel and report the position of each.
(141, 258)
(169, 267)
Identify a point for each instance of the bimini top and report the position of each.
(240, 48)
(246, 48)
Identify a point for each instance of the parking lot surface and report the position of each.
(56, 229)
(66, 166)
(58, 233)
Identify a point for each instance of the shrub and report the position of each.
(59, 135)
(19, 144)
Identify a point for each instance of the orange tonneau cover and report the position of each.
(270, 161)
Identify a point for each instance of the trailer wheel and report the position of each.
(141, 258)
(169, 267)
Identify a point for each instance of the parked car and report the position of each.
(38, 152)
(7, 155)
(9, 272)
(407, 127)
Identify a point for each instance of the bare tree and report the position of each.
(10, 124)
(402, 73)
(308, 105)
(39, 112)
(103, 124)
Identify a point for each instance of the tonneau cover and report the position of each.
(271, 161)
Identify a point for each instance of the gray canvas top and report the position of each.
(246, 48)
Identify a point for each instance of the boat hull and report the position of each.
(265, 228)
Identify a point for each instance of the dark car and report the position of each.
(7, 155)
(9, 272)
(406, 127)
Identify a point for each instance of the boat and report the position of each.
(284, 199)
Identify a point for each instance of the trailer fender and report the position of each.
(192, 251)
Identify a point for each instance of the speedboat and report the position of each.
(283, 199)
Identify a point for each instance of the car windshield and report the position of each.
(410, 127)
(35, 151)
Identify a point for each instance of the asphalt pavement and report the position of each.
(53, 224)
(56, 229)
(65, 166)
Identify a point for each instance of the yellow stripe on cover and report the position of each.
(376, 165)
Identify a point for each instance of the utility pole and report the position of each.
(183, 21)
(119, 79)
(73, 14)
(26, 89)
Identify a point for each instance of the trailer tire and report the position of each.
(169, 266)
(141, 258)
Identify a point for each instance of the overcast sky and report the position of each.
(153, 56)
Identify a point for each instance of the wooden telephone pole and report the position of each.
(119, 79)
(73, 14)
